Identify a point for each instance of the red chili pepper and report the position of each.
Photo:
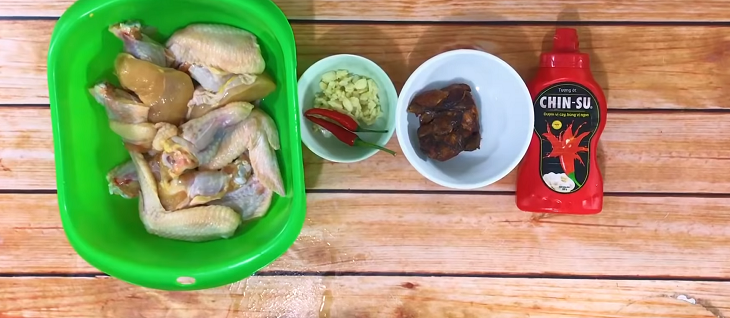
(342, 119)
(566, 146)
(345, 135)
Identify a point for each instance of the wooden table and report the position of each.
(382, 241)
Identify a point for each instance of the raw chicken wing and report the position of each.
(252, 200)
(140, 45)
(165, 131)
(178, 155)
(259, 136)
(123, 181)
(200, 138)
(246, 88)
(201, 131)
(221, 46)
(137, 136)
(120, 105)
(195, 224)
(210, 78)
(199, 187)
(193, 188)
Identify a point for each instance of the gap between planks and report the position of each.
(686, 23)
(278, 273)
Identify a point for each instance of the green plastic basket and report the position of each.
(106, 230)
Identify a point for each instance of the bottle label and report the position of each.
(566, 118)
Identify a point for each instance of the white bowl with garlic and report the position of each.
(354, 86)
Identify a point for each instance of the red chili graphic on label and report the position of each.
(566, 147)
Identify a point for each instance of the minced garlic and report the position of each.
(351, 94)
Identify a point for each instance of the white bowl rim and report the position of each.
(409, 152)
(390, 88)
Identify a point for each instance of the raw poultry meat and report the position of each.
(200, 131)
(199, 138)
(209, 78)
(193, 188)
(178, 155)
(221, 46)
(194, 224)
(252, 200)
(135, 136)
(140, 45)
(203, 158)
(196, 187)
(165, 131)
(166, 91)
(122, 180)
(241, 87)
(256, 134)
(120, 105)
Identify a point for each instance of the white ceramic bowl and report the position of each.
(330, 148)
(505, 114)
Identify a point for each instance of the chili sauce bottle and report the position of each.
(560, 173)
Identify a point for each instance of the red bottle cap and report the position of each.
(565, 51)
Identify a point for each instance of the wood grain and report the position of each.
(448, 233)
(457, 10)
(23, 51)
(367, 297)
(26, 148)
(638, 66)
(32, 234)
(480, 234)
(639, 152)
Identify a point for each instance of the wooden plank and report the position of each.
(456, 10)
(368, 297)
(447, 233)
(639, 152)
(32, 234)
(26, 148)
(23, 51)
(684, 69)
